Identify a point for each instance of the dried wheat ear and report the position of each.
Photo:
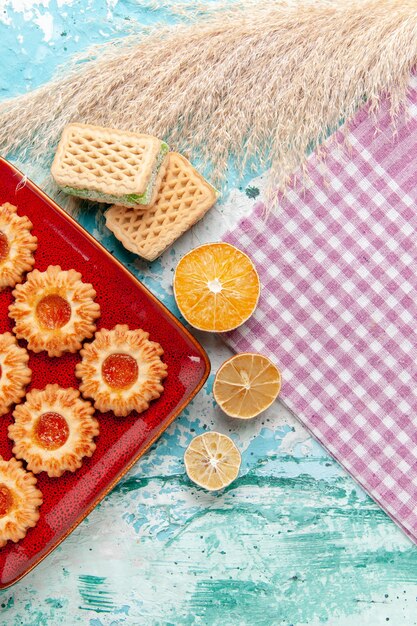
(258, 80)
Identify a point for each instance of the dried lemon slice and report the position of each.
(246, 384)
(216, 287)
(212, 461)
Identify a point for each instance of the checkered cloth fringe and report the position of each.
(338, 310)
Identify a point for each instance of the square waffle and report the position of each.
(183, 198)
(109, 165)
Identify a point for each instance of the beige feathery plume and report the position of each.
(258, 80)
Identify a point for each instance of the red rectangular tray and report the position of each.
(123, 300)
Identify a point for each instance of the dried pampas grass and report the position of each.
(257, 80)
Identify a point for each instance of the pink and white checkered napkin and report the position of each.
(338, 309)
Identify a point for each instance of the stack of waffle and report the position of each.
(156, 195)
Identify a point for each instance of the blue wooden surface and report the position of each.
(292, 541)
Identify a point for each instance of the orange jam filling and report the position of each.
(6, 500)
(51, 431)
(120, 371)
(4, 246)
(53, 311)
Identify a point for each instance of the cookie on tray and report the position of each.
(14, 372)
(17, 246)
(184, 198)
(53, 430)
(121, 370)
(54, 310)
(108, 165)
(19, 501)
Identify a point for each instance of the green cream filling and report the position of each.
(131, 198)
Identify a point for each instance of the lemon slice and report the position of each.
(246, 384)
(216, 287)
(212, 461)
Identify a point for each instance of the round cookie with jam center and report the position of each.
(19, 501)
(17, 246)
(54, 430)
(14, 372)
(54, 311)
(121, 370)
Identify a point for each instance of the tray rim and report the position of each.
(171, 316)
